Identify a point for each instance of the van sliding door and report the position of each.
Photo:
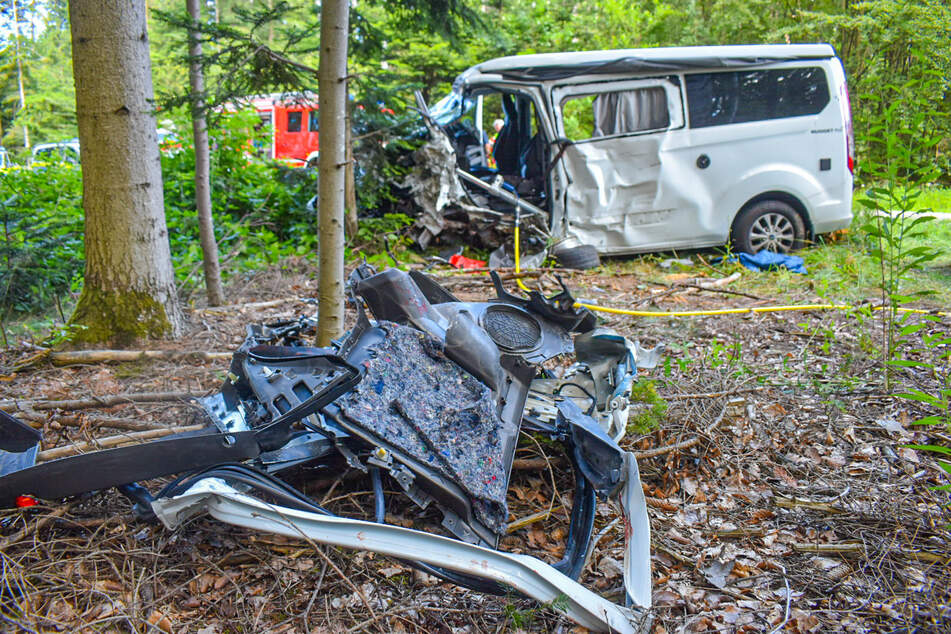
(615, 198)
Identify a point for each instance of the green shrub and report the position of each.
(41, 236)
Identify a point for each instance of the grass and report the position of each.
(934, 199)
(840, 268)
(938, 200)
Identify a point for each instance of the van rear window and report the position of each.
(738, 97)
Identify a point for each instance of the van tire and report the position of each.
(768, 224)
(581, 257)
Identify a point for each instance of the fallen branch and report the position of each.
(791, 503)
(108, 400)
(844, 547)
(40, 523)
(111, 441)
(99, 356)
(687, 444)
(678, 397)
(80, 420)
(535, 464)
(237, 307)
(531, 519)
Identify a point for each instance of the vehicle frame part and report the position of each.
(432, 391)
(523, 573)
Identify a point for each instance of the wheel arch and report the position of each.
(781, 196)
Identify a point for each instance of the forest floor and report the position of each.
(804, 510)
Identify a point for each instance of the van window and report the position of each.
(738, 97)
(293, 121)
(313, 124)
(612, 113)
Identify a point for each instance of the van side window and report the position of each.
(738, 97)
(313, 124)
(293, 121)
(612, 113)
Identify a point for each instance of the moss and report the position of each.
(649, 408)
(118, 317)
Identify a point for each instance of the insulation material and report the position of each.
(417, 399)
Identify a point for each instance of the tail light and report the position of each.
(849, 135)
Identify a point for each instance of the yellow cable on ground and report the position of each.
(741, 311)
(720, 311)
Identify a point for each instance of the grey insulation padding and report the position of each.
(416, 398)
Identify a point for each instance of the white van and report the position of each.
(653, 149)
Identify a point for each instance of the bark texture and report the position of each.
(129, 286)
(332, 85)
(206, 224)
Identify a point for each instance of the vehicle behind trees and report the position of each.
(642, 150)
(293, 125)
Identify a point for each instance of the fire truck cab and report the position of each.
(292, 119)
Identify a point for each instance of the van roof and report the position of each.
(549, 66)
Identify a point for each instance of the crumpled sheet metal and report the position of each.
(524, 573)
(433, 184)
(416, 398)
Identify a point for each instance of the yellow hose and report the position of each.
(720, 311)
(741, 311)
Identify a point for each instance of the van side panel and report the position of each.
(803, 156)
(684, 186)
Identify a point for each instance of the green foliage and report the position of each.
(382, 241)
(647, 416)
(895, 216)
(259, 206)
(41, 236)
(933, 357)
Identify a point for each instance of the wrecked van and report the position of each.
(638, 150)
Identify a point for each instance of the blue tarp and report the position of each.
(769, 261)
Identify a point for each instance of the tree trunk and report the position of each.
(129, 286)
(350, 218)
(16, 40)
(206, 224)
(332, 86)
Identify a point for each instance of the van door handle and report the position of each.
(703, 161)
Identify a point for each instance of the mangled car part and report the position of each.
(432, 391)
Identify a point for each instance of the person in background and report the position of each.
(497, 126)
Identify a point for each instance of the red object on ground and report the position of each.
(462, 262)
(25, 501)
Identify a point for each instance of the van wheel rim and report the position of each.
(774, 232)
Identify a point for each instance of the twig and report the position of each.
(111, 441)
(530, 519)
(98, 401)
(81, 420)
(237, 307)
(845, 547)
(687, 444)
(40, 523)
(788, 602)
(593, 544)
(535, 464)
(673, 397)
(791, 503)
(98, 356)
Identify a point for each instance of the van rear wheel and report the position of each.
(769, 225)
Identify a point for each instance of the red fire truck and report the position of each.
(292, 119)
